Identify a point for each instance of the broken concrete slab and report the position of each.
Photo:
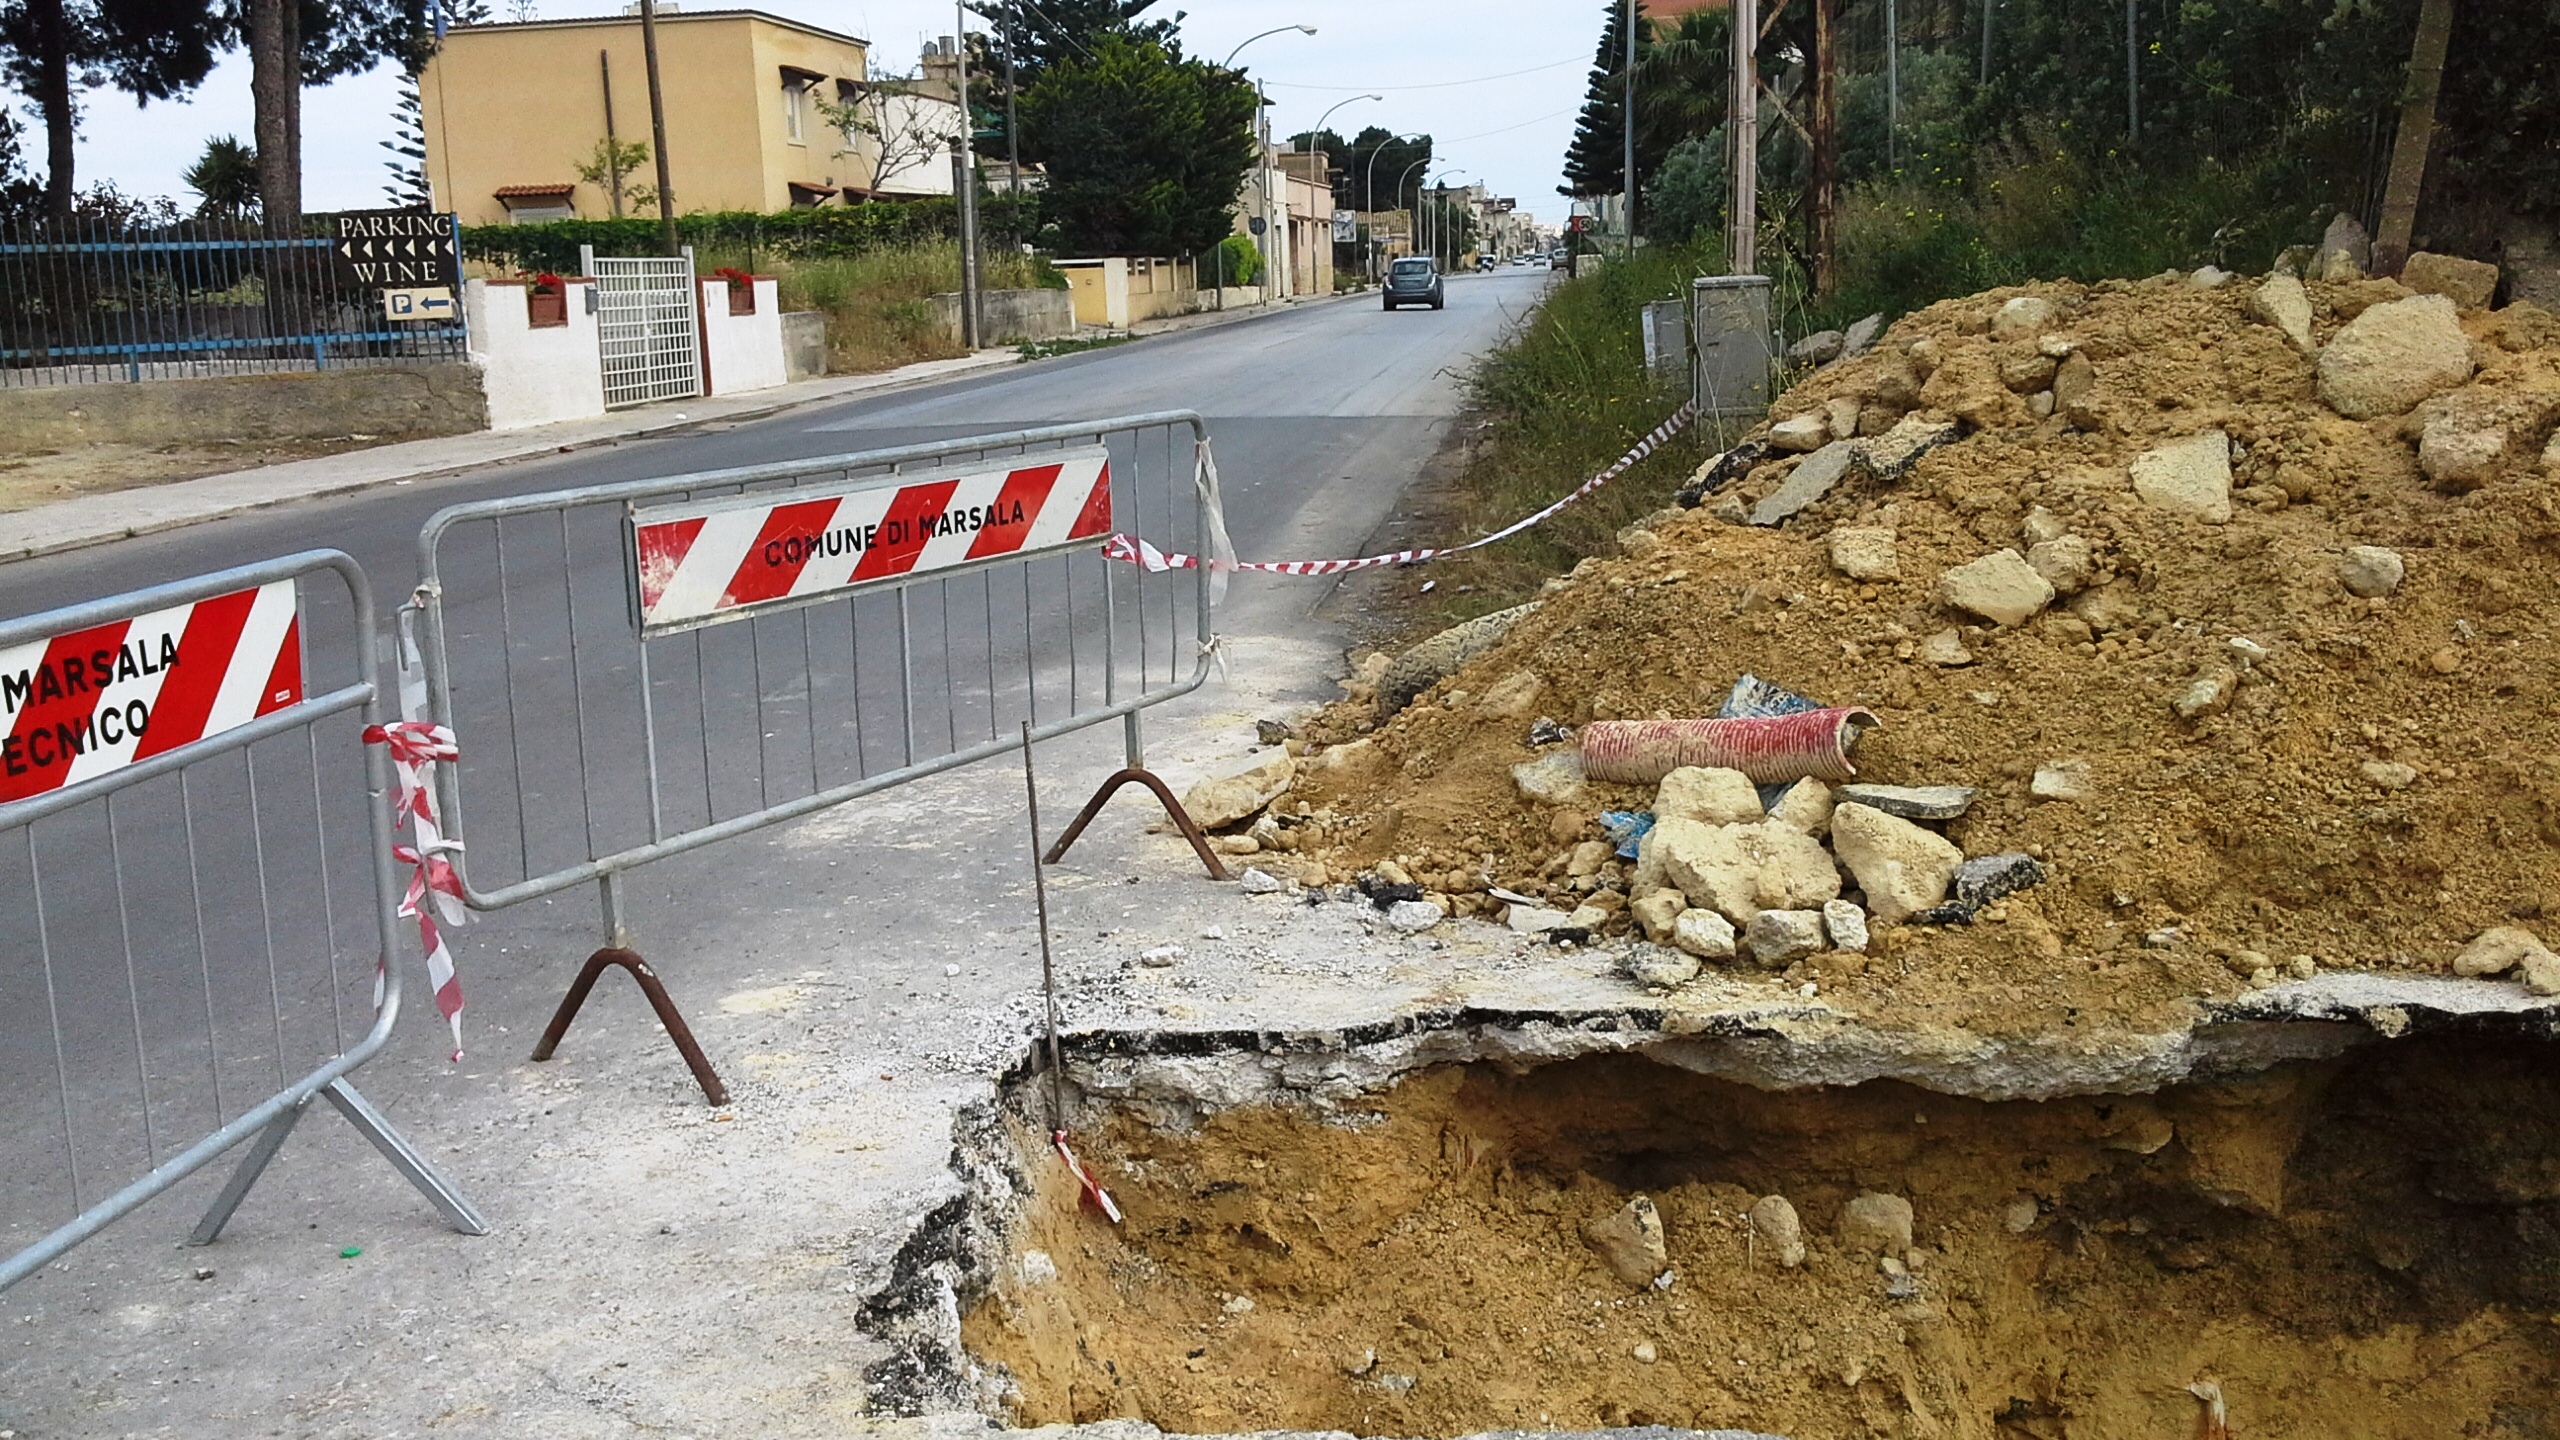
(1812, 479)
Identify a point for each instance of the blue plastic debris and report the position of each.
(1625, 828)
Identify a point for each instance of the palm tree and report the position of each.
(227, 177)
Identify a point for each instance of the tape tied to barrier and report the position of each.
(416, 745)
(1133, 550)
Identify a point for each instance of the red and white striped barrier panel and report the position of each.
(77, 706)
(1135, 551)
(702, 562)
(1771, 749)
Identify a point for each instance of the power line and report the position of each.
(1507, 129)
(1435, 85)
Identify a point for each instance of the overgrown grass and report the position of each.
(1046, 349)
(878, 304)
(1564, 395)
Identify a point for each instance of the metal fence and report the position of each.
(188, 920)
(648, 327)
(85, 300)
(598, 734)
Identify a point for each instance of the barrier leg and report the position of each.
(252, 1165)
(404, 1157)
(1172, 807)
(647, 979)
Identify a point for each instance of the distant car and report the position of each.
(1414, 280)
(1484, 262)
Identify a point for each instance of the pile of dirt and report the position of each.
(2281, 754)
(2354, 1247)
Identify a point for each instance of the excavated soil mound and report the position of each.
(2371, 781)
(2365, 1247)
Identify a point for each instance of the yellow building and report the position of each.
(513, 111)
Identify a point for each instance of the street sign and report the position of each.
(76, 706)
(702, 562)
(397, 249)
(425, 302)
(1257, 225)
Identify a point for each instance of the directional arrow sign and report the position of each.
(396, 249)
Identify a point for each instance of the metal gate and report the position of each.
(640, 669)
(187, 922)
(647, 327)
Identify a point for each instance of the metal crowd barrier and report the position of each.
(177, 890)
(641, 669)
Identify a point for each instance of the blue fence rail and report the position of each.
(84, 301)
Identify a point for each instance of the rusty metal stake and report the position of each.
(1172, 807)
(677, 1030)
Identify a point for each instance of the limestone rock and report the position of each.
(2283, 303)
(1806, 806)
(1912, 802)
(2388, 774)
(1713, 797)
(2541, 972)
(1841, 413)
(1865, 552)
(2041, 527)
(1795, 871)
(2023, 315)
(1513, 697)
(1890, 456)
(2467, 283)
(1800, 434)
(1588, 857)
(1703, 933)
(2027, 374)
(1630, 1242)
(1903, 868)
(2065, 563)
(2208, 694)
(1846, 924)
(1414, 916)
(1656, 911)
(2369, 571)
(1239, 795)
(2392, 356)
(2063, 780)
(2001, 587)
(1812, 479)
(1819, 348)
(1861, 336)
(1536, 919)
(2498, 950)
(2188, 477)
(1710, 864)
(2346, 251)
(1261, 882)
(1658, 967)
(1774, 1225)
(1873, 1224)
(1779, 937)
(1554, 778)
(2075, 385)
(2210, 277)
(1946, 649)
(2461, 452)
(1423, 666)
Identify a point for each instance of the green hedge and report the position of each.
(817, 232)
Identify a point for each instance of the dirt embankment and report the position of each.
(2282, 747)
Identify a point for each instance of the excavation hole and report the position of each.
(2366, 1246)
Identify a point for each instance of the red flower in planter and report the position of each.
(546, 283)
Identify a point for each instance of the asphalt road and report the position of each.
(1319, 416)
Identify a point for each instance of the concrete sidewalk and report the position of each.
(122, 514)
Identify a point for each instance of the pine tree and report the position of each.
(1596, 162)
(408, 147)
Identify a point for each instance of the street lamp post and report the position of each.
(1262, 132)
(1311, 151)
(1413, 233)
(1369, 197)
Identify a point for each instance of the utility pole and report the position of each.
(1986, 42)
(2132, 77)
(1745, 252)
(1630, 105)
(1893, 79)
(612, 142)
(964, 181)
(1012, 124)
(2417, 132)
(1826, 144)
(658, 127)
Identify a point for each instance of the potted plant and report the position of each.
(546, 301)
(742, 289)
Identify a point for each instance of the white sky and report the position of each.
(1509, 133)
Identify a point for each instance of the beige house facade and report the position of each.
(513, 111)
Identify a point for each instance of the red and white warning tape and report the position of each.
(435, 887)
(1137, 551)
